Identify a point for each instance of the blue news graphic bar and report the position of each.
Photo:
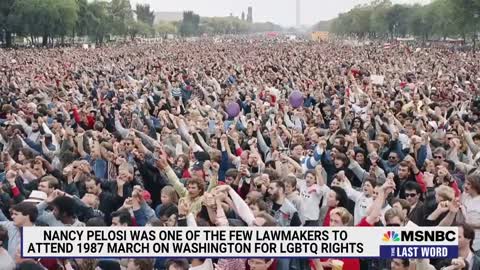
(418, 252)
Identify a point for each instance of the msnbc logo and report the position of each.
(391, 236)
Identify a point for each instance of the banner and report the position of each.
(235, 242)
(377, 79)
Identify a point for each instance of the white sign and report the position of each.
(234, 242)
(377, 79)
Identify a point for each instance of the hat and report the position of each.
(201, 156)
(197, 166)
(36, 196)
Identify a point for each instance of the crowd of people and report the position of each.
(143, 135)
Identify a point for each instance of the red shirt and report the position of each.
(350, 263)
(326, 221)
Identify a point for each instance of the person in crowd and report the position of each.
(132, 135)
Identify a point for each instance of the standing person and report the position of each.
(340, 217)
(23, 215)
(282, 209)
(6, 261)
(312, 190)
(471, 208)
(285, 214)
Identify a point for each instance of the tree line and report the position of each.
(47, 20)
(381, 19)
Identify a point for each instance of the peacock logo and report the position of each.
(391, 236)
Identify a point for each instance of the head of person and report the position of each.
(393, 158)
(383, 139)
(167, 214)
(368, 186)
(400, 264)
(93, 185)
(258, 206)
(96, 222)
(466, 235)
(230, 176)
(128, 144)
(182, 162)
(439, 155)
(290, 184)
(339, 141)
(340, 217)
(410, 130)
(357, 123)
(403, 170)
(297, 151)
(121, 219)
(333, 125)
(444, 193)
(177, 264)
(126, 172)
(276, 190)
(195, 187)
(24, 213)
(360, 157)
(168, 195)
(63, 207)
(472, 185)
(413, 192)
(260, 264)
(395, 217)
(337, 197)
(429, 166)
(91, 200)
(402, 205)
(310, 178)
(341, 160)
(253, 196)
(448, 137)
(140, 264)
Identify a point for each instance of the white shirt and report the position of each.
(311, 197)
(362, 203)
(472, 215)
(6, 261)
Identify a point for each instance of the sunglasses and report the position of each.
(438, 157)
(410, 194)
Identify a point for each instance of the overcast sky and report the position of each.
(278, 11)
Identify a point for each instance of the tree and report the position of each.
(121, 16)
(164, 28)
(101, 24)
(84, 18)
(190, 24)
(440, 18)
(6, 7)
(67, 17)
(397, 20)
(139, 28)
(144, 14)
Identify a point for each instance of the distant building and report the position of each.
(243, 15)
(168, 17)
(250, 15)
